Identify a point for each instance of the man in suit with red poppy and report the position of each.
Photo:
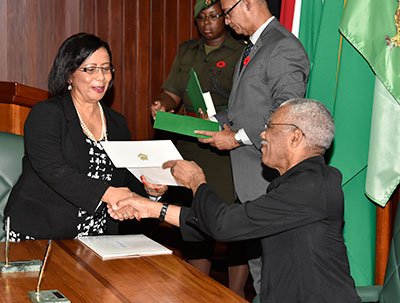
(274, 68)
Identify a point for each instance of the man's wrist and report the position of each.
(196, 186)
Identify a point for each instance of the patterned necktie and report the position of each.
(246, 52)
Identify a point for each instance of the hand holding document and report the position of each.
(187, 173)
(199, 99)
(186, 125)
(154, 190)
(144, 158)
(223, 140)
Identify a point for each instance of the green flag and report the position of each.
(383, 173)
(373, 27)
(343, 81)
(310, 20)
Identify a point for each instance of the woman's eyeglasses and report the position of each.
(91, 70)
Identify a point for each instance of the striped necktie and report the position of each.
(246, 52)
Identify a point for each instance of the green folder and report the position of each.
(184, 125)
(195, 93)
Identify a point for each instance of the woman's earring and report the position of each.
(70, 87)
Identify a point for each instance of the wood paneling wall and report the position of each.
(144, 36)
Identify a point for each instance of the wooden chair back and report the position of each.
(16, 101)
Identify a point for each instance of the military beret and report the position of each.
(203, 4)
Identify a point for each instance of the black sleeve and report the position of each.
(189, 232)
(295, 203)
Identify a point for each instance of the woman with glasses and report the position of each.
(67, 178)
(213, 57)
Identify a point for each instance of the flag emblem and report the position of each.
(143, 157)
(395, 41)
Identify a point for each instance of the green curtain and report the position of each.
(343, 81)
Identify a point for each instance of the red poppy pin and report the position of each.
(221, 64)
(246, 60)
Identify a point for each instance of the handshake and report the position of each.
(134, 206)
(125, 204)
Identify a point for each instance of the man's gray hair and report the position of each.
(314, 119)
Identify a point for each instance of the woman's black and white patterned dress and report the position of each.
(100, 168)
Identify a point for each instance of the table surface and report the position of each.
(82, 276)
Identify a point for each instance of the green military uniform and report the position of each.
(215, 72)
(214, 67)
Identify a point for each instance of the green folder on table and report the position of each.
(184, 125)
(195, 93)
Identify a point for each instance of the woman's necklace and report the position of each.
(89, 133)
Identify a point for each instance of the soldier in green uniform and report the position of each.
(213, 57)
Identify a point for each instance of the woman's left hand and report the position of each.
(154, 190)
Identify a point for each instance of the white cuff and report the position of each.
(156, 199)
(243, 137)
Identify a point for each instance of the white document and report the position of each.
(120, 246)
(144, 158)
(209, 104)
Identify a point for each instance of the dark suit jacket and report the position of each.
(299, 221)
(53, 185)
(277, 71)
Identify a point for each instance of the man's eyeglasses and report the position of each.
(91, 70)
(229, 10)
(268, 125)
(209, 17)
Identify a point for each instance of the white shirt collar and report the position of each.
(254, 37)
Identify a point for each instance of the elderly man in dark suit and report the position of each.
(299, 218)
(274, 68)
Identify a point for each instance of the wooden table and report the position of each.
(79, 274)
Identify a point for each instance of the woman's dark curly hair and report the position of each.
(71, 54)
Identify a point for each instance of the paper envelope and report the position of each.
(144, 158)
(209, 104)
